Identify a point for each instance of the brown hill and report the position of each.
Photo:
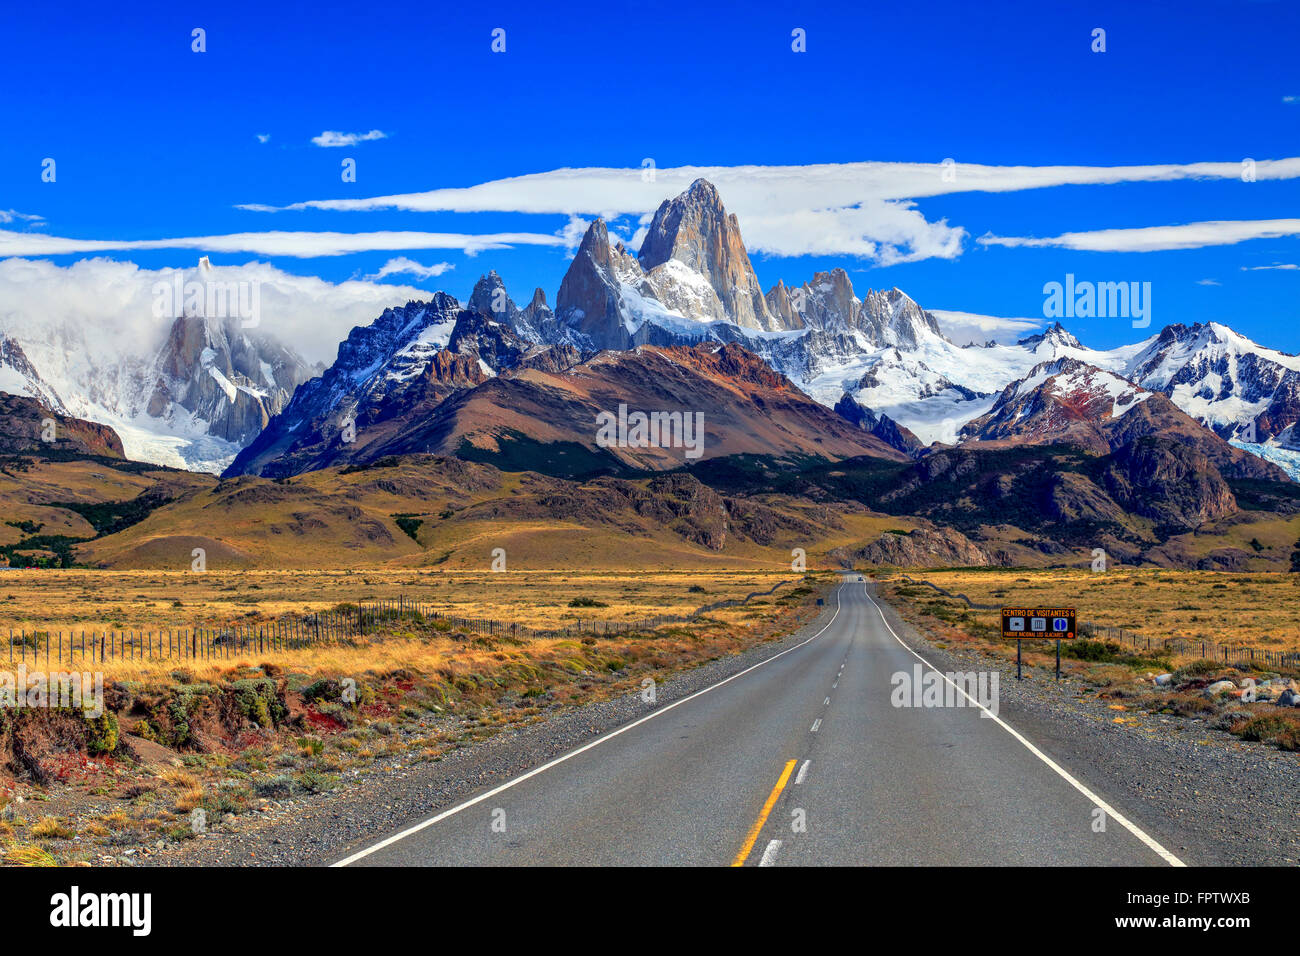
(28, 427)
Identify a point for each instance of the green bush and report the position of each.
(102, 734)
(1280, 730)
(259, 701)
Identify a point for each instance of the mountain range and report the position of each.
(807, 394)
(212, 395)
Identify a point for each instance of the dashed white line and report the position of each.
(828, 700)
(769, 855)
(816, 723)
(803, 772)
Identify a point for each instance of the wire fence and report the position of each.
(1183, 647)
(345, 623)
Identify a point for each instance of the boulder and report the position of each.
(1219, 687)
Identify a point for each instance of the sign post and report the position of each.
(1038, 623)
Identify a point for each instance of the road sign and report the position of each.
(1037, 623)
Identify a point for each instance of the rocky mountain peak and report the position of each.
(589, 304)
(892, 317)
(233, 379)
(695, 230)
(489, 296)
(595, 243)
(1054, 335)
(782, 307)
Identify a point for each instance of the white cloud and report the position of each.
(1195, 235)
(335, 138)
(1208, 282)
(404, 266)
(965, 328)
(573, 232)
(113, 298)
(12, 215)
(264, 137)
(1285, 266)
(1291, 99)
(302, 245)
(860, 209)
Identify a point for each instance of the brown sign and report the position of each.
(1038, 623)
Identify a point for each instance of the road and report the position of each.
(803, 759)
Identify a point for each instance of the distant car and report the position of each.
(861, 578)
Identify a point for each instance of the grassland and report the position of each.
(1260, 610)
(145, 600)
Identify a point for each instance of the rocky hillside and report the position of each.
(542, 410)
(29, 428)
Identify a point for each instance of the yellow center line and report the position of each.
(757, 828)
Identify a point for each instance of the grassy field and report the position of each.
(75, 601)
(1260, 610)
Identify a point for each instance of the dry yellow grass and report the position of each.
(1260, 610)
(75, 601)
(19, 855)
(51, 828)
(99, 600)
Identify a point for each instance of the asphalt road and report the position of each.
(804, 759)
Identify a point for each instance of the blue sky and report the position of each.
(153, 141)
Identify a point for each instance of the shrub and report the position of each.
(101, 733)
(280, 785)
(1195, 669)
(1282, 731)
(259, 701)
(1106, 652)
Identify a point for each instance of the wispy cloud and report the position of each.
(859, 209)
(1291, 99)
(404, 266)
(1195, 235)
(264, 137)
(13, 215)
(1208, 282)
(966, 328)
(1284, 266)
(334, 138)
(302, 245)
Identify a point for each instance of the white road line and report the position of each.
(826, 702)
(816, 723)
(424, 824)
(836, 684)
(769, 855)
(803, 772)
(1097, 801)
